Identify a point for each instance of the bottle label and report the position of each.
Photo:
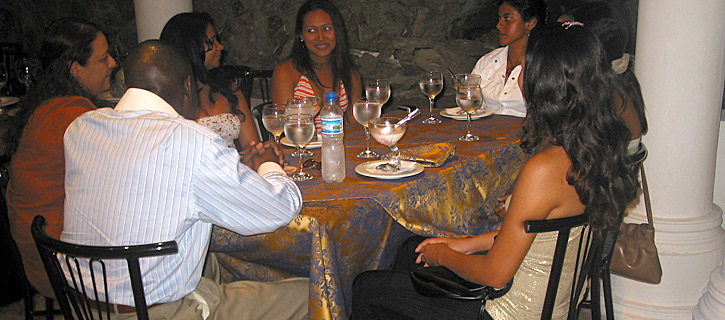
(332, 126)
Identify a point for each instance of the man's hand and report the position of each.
(258, 153)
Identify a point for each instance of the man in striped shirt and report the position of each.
(143, 173)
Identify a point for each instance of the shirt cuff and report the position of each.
(267, 167)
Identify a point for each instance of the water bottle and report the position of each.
(333, 149)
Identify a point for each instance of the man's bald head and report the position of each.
(160, 68)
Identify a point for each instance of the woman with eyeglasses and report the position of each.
(222, 105)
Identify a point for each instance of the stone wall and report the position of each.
(393, 39)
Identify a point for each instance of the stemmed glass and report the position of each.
(273, 120)
(299, 129)
(364, 111)
(301, 106)
(469, 98)
(378, 90)
(431, 84)
(466, 79)
(23, 71)
(387, 131)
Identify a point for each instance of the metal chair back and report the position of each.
(70, 289)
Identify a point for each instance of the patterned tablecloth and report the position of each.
(357, 225)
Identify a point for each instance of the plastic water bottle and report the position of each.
(333, 148)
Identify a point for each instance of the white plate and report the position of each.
(368, 169)
(454, 113)
(6, 101)
(312, 145)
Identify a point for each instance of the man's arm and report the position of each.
(231, 195)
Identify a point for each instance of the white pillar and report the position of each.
(680, 63)
(152, 15)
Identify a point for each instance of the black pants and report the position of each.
(390, 294)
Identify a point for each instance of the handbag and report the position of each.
(635, 254)
(442, 282)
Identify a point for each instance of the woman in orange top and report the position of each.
(75, 67)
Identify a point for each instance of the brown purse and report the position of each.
(635, 254)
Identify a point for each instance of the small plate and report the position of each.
(312, 145)
(6, 101)
(458, 114)
(368, 169)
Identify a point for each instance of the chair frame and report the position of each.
(71, 292)
(600, 268)
(28, 290)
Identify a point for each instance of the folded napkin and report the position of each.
(431, 155)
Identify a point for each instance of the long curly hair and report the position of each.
(187, 32)
(609, 25)
(568, 89)
(340, 56)
(67, 40)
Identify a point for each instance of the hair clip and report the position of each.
(568, 24)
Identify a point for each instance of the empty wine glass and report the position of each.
(299, 129)
(364, 111)
(469, 99)
(431, 84)
(301, 106)
(378, 90)
(273, 120)
(23, 71)
(387, 131)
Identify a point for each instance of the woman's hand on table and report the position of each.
(432, 246)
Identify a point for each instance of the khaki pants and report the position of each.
(286, 299)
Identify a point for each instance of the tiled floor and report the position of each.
(15, 311)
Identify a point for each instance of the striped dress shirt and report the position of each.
(140, 173)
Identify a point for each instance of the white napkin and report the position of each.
(405, 166)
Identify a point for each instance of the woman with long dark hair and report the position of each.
(75, 67)
(501, 69)
(579, 165)
(320, 61)
(609, 26)
(222, 106)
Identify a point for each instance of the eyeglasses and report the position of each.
(210, 42)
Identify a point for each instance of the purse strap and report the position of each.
(645, 191)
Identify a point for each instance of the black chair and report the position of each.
(71, 292)
(9, 53)
(16, 264)
(586, 246)
(599, 272)
(261, 77)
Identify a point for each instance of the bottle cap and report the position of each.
(331, 96)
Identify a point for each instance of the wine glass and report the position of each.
(3, 77)
(364, 111)
(387, 131)
(469, 98)
(301, 106)
(467, 79)
(431, 84)
(23, 71)
(378, 90)
(273, 120)
(299, 129)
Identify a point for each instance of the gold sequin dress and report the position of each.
(525, 300)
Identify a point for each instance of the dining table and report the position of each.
(356, 225)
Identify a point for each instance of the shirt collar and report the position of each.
(136, 99)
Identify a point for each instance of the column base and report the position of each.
(689, 250)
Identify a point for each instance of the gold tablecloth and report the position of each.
(357, 225)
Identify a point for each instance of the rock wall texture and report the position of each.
(393, 39)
